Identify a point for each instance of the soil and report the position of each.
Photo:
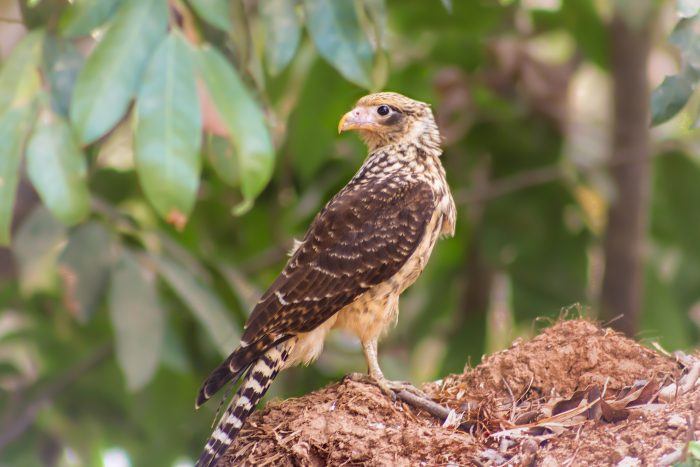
(575, 395)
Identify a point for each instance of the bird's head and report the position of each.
(388, 118)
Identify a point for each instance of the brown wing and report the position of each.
(360, 239)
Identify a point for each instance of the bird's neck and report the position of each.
(418, 155)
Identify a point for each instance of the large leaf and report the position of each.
(61, 64)
(244, 121)
(669, 98)
(82, 16)
(19, 76)
(205, 305)
(222, 158)
(215, 12)
(138, 320)
(36, 248)
(57, 168)
(685, 36)
(336, 31)
(84, 268)
(282, 33)
(168, 131)
(15, 126)
(113, 71)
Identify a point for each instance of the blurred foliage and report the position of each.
(674, 92)
(177, 148)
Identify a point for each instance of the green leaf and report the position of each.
(113, 71)
(588, 29)
(169, 130)
(215, 12)
(686, 37)
(244, 121)
(687, 8)
(335, 29)
(82, 16)
(205, 305)
(61, 65)
(377, 16)
(19, 77)
(39, 13)
(36, 248)
(84, 268)
(117, 150)
(669, 98)
(694, 450)
(282, 33)
(15, 126)
(222, 158)
(137, 318)
(56, 166)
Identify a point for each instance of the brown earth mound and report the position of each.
(577, 394)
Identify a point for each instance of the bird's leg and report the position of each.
(376, 377)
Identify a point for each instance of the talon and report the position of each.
(389, 388)
(397, 386)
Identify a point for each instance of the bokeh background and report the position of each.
(157, 158)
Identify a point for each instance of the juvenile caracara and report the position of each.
(366, 246)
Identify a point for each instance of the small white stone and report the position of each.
(628, 461)
(676, 421)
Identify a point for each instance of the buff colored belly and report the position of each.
(371, 315)
(373, 312)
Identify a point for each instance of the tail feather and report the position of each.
(233, 367)
(216, 380)
(254, 386)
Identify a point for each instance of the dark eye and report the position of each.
(383, 110)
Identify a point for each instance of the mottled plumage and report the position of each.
(366, 246)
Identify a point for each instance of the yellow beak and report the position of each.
(359, 118)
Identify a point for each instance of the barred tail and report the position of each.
(254, 386)
(234, 366)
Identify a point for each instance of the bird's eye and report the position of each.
(383, 110)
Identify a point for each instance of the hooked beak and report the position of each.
(359, 118)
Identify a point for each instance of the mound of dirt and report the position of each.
(577, 394)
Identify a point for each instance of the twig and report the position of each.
(512, 183)
(612, 320)
(534, 177)
(433, 408)
(19, 424)
(512, 400)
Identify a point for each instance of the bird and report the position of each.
(362, 250)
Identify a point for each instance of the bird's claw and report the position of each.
(389, 388)
(398, 386)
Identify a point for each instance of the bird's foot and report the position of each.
(388, 387)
